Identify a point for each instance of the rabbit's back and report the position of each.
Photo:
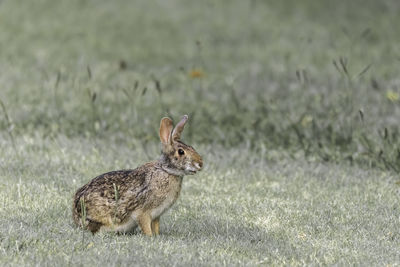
(114, 200)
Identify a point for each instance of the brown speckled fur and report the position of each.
(120, 200)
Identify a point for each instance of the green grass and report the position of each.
(240, 210)
(295, 113)
(282, 75)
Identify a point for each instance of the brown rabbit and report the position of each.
(120, 200)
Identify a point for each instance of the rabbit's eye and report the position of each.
(181, 152)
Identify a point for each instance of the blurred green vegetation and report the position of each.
(315, 77)
(283, 97)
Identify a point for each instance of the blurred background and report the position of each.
(293, 105)
(315, 78)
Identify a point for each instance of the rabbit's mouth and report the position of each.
(190, 171)
(192, 168)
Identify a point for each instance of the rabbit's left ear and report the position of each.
(176, 133)
(165, 130)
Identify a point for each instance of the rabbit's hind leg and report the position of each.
(93, 226)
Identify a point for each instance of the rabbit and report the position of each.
(119, 201)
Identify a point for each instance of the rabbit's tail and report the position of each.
(77, 210)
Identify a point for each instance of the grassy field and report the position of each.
(294, 106)
(242, 210)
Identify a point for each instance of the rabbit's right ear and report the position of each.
(176, 133)
(166, 127)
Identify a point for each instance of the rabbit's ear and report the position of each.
(165, 130)
(176, 133)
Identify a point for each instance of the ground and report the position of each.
(293, 106)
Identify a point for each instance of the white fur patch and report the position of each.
(126, 227)
(165, 205)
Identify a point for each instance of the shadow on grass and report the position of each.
(233, 234)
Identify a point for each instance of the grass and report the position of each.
(101, 68)
(279, 211)
(294, 107)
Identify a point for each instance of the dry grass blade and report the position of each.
(298, 75)
(89, 72)
(364, 70)
(365, 33)
(158, 86)
(10, 127)
(361, 115)
(336, 66)
(343, 62)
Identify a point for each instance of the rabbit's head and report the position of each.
(177, 157)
